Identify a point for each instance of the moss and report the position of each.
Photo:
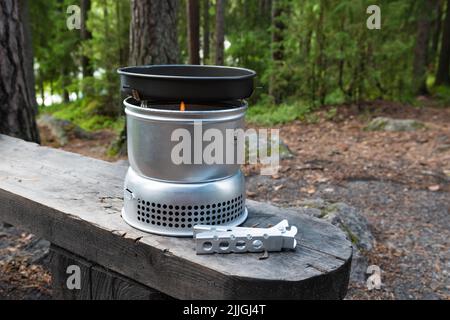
(418, 125)
(377, 124)
(353, 238)
(325, 212)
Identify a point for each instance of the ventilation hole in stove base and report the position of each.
(186, 216)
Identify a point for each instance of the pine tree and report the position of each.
(17, 100)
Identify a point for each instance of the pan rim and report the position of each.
(250, 73)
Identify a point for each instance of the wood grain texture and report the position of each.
(107, 285)
(75, 202)
(17, 95)
(60, 261)
(97, 283)
(153, 32)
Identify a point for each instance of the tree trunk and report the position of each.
(65, 84)
(436, 26)
(421, 48)
(220, 32)
(153, 32)
(28, 47)
(153, 40)
(85, 35)
(123, 51)
(278, 28)
(51, 91)
(193, 27)
(17, 102)
(265, 8)
(206, 31)
(442, 75)
(42, 90)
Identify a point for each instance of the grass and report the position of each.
(266, 114)
(442, 94)
(83, 114)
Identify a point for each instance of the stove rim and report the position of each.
(242, 218)
(210, 115)
(234, 105)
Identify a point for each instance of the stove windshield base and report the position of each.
(173, 209)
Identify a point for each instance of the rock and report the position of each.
(35, 250)
(123, 163)
(317, 203)
(443, 147)
(284, 151)
(62, 129)
(443, 139)
(360, 263)
(38, 250)
(352, 222)
(388, 124)
(348, 218)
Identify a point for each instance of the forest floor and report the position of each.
(400, 181)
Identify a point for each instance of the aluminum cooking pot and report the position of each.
(150, 144)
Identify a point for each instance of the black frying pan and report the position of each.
(187, 83)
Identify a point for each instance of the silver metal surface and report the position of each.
(169, 199)
(149, 140)
(173, 209)
(211, 239)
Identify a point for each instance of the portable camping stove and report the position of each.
(160, 196)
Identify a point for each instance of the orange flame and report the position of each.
(182, 106)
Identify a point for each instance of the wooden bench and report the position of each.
(75, 202)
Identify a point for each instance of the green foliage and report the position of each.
(328, 56)
(442, 94)
(248, 32)
(55, 47)
(108, 49)
(83, 113)
(331, 113)
(266, 114)
(58, 50)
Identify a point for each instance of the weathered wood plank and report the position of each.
(97, 283)
(60, 261)
(75, 203)
(107, 285)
